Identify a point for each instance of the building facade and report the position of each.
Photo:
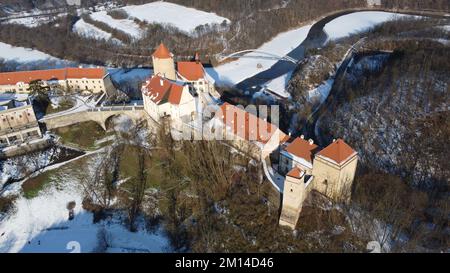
(298, 154)
(92, 80)
(163, 63)
(181, 95)
(163, 98)
(297, 187)
(246, 131)
(18, 123)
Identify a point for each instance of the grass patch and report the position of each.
(62, 106)
(33, 186)
(129, 167)
(82, 135)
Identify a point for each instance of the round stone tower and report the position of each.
(163, 63)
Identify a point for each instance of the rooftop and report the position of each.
(12, 78)
(302, 149)
(338, 151)
(248, 126)
(161, 90)
(296, 173)
(162, 52)
(192, 71)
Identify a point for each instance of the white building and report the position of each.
(18, 123)
(179, 94)
(92, 80)
(164, 98)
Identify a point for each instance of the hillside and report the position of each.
(247, 18)
(401, 104)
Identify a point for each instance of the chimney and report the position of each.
(311, 142)
(334, 140)
(197, 57)
(161, 82)
(80, 66)
(302, 137)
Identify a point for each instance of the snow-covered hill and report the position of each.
(183, 18)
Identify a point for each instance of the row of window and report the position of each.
(12, 117)
(84, 81)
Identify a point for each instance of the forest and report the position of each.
(248, 19)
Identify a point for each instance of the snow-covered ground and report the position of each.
(357, 22)
(169, 13)
(41, 224)
(87, 30)
(21, 58)
(21, 54)
(236, 71)
(36, 18)
(120, 75)
(157, 12)
(125, 25)
(321, 92)
(278, 85)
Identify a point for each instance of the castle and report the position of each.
(179, 93)
(329, 171)
(176, 94)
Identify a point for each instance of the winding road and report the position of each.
(316, 38)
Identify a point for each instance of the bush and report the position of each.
(118, 14)
(6, 203)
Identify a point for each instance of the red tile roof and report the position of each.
(162, 52)
(302, 148)
(248, 126)
(12, 78)
(192, 71)
(338, 151)
(88, 73)
(176, 91)
(161, 90)
(296, 173)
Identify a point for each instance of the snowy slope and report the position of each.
(278, 85)
(125, 25)
(236, 71)
(356, 22)
(41, 224)
(168, 13)
(21, 54)
(183, 18)
(87, 30)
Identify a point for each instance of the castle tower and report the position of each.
(334, 170)
(163, 63)
(295, 191)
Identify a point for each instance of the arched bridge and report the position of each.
(97, 114)
(259, 54)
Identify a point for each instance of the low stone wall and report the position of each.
(24, 148)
